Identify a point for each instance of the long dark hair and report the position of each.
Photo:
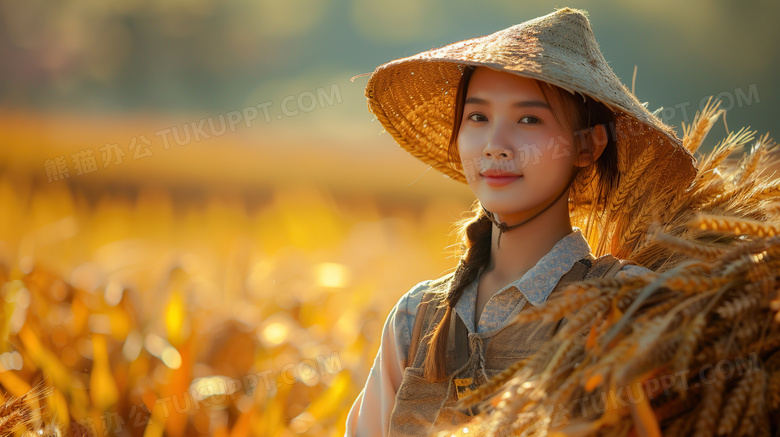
(475, 232)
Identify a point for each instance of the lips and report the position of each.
(496, 173)
(499, 178)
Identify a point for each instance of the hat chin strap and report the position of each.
(503, 227)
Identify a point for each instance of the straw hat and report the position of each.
(414, 97)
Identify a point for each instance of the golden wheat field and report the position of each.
(135, 306)
(144, 310)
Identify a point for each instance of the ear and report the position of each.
(593, 146)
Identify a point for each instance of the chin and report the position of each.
(503, 208)
(507, 203)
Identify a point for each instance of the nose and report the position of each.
(498, 147)
(498, 153)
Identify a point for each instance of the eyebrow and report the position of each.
(520, 104)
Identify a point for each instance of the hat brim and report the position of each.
(414, 98)
(420, 119)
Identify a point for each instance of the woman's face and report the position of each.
(515, 155)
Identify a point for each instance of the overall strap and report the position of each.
(617, 266)
(422, 308)
(607, 266)
(578, 271)
(417, 330)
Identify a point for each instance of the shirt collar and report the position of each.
(538, 283)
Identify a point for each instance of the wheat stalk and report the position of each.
(725, 148)
(694, 134)
(707, 417)
(735, 403)
(16, 412)
(630, 180)
(737, 226)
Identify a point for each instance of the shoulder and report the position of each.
(407, 305)
(609, 265)
(412, 298)
(405, 311)
(629, 270)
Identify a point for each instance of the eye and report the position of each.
(531, 120)
(473, 117)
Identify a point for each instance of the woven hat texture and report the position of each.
(414, 97)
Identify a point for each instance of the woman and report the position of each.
(536, 123)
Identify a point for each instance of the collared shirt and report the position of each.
(370, 413)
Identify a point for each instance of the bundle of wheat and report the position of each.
(690, 349)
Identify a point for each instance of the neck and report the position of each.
(522, 247)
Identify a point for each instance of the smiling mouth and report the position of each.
(499, 179)
(499, 174)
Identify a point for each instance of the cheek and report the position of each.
(559, 151)
(467, 144)
(545, 152)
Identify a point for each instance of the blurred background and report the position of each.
(203, 229)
